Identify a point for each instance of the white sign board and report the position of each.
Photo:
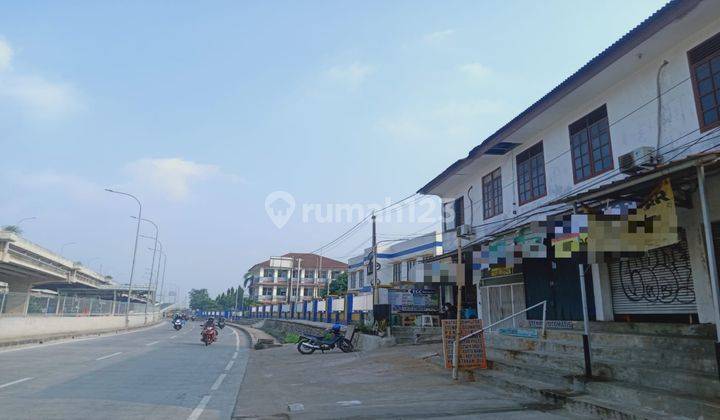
(281, 262)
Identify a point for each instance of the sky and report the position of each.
(208, 112)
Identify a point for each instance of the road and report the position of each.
(154, 373)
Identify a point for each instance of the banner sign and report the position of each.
(414, 300)
(471, 352)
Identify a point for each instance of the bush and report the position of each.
(292, 338)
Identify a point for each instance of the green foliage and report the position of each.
(225, 301)
(200, 299)
(338, 287)
(292, 338)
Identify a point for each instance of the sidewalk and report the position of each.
(391, 382)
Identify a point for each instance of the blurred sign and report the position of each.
(471, 353)
(414, 300)
(281, 262)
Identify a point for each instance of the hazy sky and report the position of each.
(202, 109)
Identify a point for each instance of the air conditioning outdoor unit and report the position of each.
(640, 159)
(464, 230)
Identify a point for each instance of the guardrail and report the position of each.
(33, 304)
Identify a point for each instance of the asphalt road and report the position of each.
(153, 373)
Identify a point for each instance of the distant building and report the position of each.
(268, 281)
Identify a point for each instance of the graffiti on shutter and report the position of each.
(660, 282)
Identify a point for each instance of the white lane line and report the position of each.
(152, 343)
(109, 356)
(218, 382)
(230, 365)
(75, 340)
(173, 336)
(15, 382)
(197, 412)
(235, 355)
(237, 339)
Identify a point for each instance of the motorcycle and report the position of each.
(221, 324)
(177, 324)
(309, 343)
(209, 335)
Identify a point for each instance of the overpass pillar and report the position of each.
(18, 298)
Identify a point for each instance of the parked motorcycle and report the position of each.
(209, 335)
(177, 324)
(309, 343)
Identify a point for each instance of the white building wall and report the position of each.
(630, 128)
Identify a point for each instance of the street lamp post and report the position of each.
(24, 219)
(162, 285)
(132, 267)
(152, 265)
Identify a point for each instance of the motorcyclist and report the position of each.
(210, 322)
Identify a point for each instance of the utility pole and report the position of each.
(458, 306)
(373, 261)
(297, 296)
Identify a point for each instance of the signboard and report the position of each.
(414, 300)
(281, 262)
(471, 353)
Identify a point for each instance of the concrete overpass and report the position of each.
(25, 265)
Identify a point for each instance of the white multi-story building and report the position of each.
(268, 282)
(399, 263)
(654, 92)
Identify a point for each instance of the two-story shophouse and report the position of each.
(642, 114)
(302, 275)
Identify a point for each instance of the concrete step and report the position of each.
(680, 342)
(574, 402)
(695, 359)
(651, 328)
(657, 376)
(672, 403)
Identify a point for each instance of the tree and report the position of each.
(200, 300)
(13, 229)
(338, 286)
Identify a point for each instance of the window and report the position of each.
(590, 145)
(531, 174)
(309, 274)
(492, 194)
(361, 278)
(282, 274)
(322, 274)
(281, 291)
(410, 266)
(453, 214)
(269, 272)
(308, 291)
(353, 280)
(267, 291)
(335, 274)
(397, 272)
(705, 72)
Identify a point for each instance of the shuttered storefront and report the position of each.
(659, 282)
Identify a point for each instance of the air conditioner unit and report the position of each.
(638, 160)
(464, 231)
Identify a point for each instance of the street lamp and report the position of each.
(132, 267)
(24, 220)
(152, 265)
(62, 247)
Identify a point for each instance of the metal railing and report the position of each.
(485, 328)
(33, 304)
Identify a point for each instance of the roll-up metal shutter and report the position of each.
(660, 282)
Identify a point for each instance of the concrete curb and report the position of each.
(256, 342)
(57, 337)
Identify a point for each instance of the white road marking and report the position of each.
(348, 403)
(109, 356)
(173, 336)
(235, 355)
(75, 340)
(237, 339)
(229, 365)
(15, 382)
(218, 382)
(197, 412)
(151, 343)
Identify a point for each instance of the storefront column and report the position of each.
(602, 292)
(690, 220)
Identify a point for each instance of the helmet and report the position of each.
(336, 327)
